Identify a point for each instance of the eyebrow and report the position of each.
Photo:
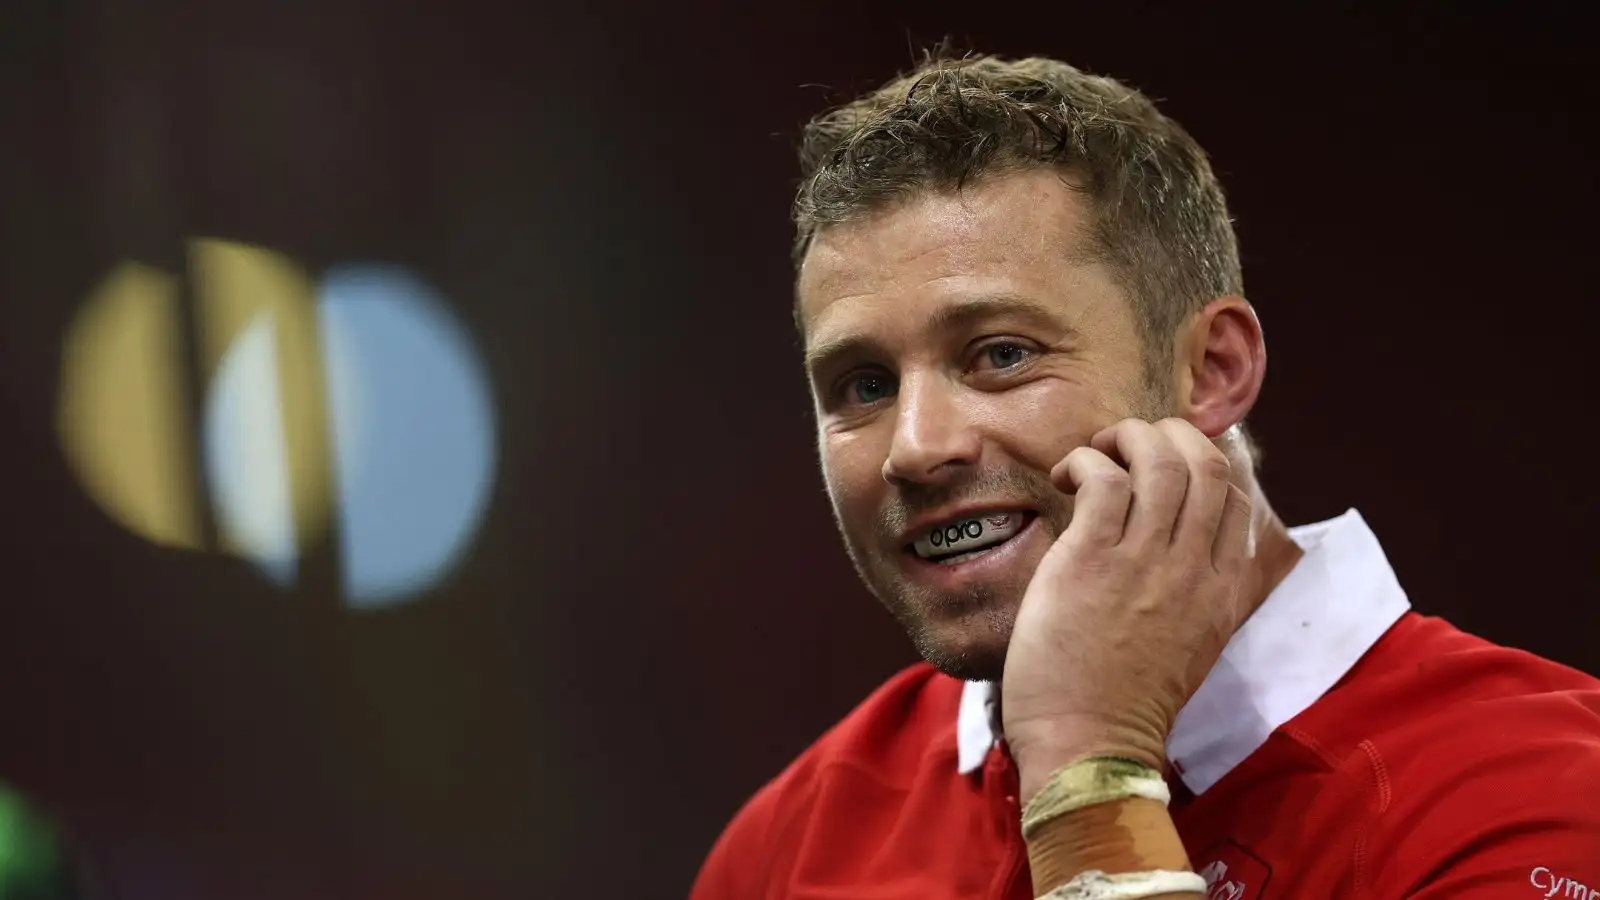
(954, 317)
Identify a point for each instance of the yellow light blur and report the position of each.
(121, 415)
(236, 287)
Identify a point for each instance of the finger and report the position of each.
(1160, 477)
(1233, 545)
(1101, 492)
(1210, 475)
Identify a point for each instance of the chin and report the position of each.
(971, 650)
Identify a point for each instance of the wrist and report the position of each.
(1038, 756)
(1124, 836)
(1105, 818)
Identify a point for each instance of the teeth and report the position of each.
(967, 535)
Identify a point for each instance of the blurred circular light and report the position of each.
(356, 404)
(413, 431)
(246, 461)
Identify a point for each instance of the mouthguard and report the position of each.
(966, 535)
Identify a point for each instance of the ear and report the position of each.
(1222, 360)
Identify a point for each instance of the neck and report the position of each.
(1274, 553)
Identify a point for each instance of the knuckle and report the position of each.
(1169, 466)
(1239, 500)
(1229, 566)
(1111, 478)
(1082, 455)
(1214, 466)
(1174, 428)
(1097, 562)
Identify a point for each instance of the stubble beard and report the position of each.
(988, 618)
(984, 616)
(962, 634)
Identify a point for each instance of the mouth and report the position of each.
(971, 537)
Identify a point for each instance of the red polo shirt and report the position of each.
(1344, 747)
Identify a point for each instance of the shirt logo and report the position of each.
(1218, 887)
(1234, 873)
(1557, 885)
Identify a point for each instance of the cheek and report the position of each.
(852, 472)
(1044, 421)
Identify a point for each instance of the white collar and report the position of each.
(1336, 602)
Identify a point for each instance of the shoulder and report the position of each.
(1486, 724)
(1434, 702)
(903, 727)
(1484, 760)
(1443, 692)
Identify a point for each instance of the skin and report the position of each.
(966, 354)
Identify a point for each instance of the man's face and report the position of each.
(958, 347)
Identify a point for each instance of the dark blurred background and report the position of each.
(577, 592)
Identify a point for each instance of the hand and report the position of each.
(1132, 605)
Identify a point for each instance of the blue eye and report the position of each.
(869, 389)
(1005, 355)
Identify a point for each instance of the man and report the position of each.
(1031, 360)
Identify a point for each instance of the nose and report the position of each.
(933, 438)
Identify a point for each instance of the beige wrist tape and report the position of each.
(1097, 885)
(1090, 782)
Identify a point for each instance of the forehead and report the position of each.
(1019, 235)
